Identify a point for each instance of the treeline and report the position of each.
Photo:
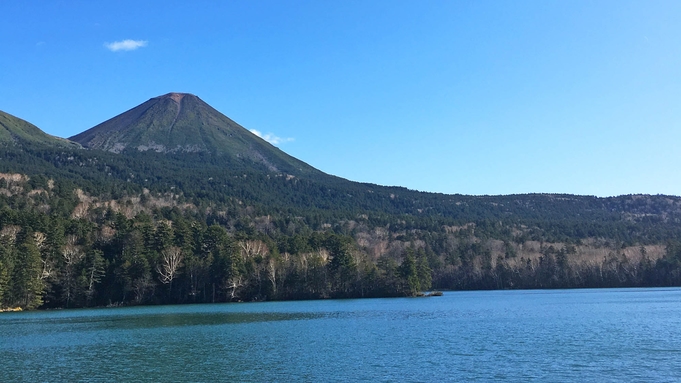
(220, 181)
(122, 261)
(472, 267)
(51, 261)
(83, 228)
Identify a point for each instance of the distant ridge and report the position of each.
(183, 123)
(15, 131)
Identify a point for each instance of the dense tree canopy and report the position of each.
(91, 228)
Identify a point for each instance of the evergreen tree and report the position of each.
(424, 272)
(27, 284)
(5, 273)
(92, 274)
(410, 274)
(134, 271)
(342, 265)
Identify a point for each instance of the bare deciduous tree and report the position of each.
(72, 254)
(272, 274)
(10, 232)
(171, 258)
(233, 284)
(39, 239)
(141, 286)
(250, 249)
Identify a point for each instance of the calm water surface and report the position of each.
(559, 335)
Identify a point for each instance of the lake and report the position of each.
(595, 335)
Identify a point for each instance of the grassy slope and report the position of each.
(14, 129)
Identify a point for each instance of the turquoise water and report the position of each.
(557, 335)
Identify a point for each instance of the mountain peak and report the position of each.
(183, 123)
(177, 97)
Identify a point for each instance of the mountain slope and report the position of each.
(183, 123)
(178, 179)
(14, 130)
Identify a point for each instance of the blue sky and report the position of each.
(471, 97)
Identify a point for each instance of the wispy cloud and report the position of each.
(271, 138)
(125, 45)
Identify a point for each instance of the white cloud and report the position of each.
(271, 138)
(125, 45)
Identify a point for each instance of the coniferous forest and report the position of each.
(71, 237)
(86, 227)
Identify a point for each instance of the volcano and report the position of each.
(178, 123)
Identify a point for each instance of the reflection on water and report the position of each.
(559, 335)
(152, 320)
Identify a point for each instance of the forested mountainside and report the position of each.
(89, 227)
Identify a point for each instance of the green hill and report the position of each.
(15, 131)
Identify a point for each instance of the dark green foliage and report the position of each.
(425, 274)
(343, 267)
(26, 282)
(410, 274)
(91, 275)
(93, 228)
